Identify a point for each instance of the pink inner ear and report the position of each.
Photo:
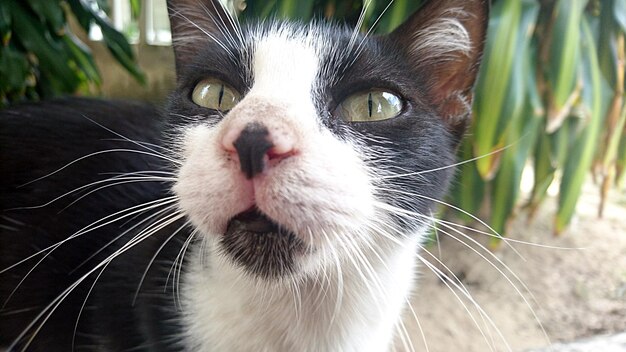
(453, 102)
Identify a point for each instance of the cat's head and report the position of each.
(302, 143)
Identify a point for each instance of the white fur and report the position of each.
(229, 311)
(443, 39)
(348, 294)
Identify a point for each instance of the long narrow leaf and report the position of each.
(564, 60)
(493, 93)
(544, 169)
(115, 41)
(468, 188)
(581, 156)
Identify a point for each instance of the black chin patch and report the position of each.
(262, 247)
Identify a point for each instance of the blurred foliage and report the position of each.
(550, 93)
(561, 107)
(40, 57)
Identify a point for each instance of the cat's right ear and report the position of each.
(194, 22)
(444, 41)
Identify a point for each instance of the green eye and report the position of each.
(374, 105)
(214, 94)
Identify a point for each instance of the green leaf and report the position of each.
(562, 141)
(5, 23)
(521, 137)
(564, 59)
(506, 184)
(259, 9)
(397, 13)
(115, 41)
(500, 92)
(49, 11)
(619, 11)
(581, 156)
(14, 69)
(302, 10)
(607, 54)
(121, 50)
(469, 188)
(135, 8)
(544, 171)
(52, 58)
(83, 58)
(84, 17)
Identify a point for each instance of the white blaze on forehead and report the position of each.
(284, 68)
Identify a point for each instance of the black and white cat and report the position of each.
(276, 204)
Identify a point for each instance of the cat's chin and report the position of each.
(261, 246)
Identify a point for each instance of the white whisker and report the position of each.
(115, 150)
(156, 253)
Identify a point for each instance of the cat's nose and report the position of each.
(256, 147)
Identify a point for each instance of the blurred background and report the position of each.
(545, 153)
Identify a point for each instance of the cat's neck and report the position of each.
(350, 306)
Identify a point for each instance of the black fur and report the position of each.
(36, 141)
(261, 246)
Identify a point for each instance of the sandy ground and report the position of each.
(572, 286)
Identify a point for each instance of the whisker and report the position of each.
(136, 209)
(208, 34)
(164, 150)
(143, 276)
(180, 266)
(360, 47)
(453, 207)
(410, 214)
(419, 325)
(47, 312)
(359, 24)
(115, 150)
(116, 238)
(508, 239)
(506, 277)
(80, 311)
(483, 314)
(120, 181)
(137, 143)
(52, 248)
(340, 280)
(460, 285)
(64, 195)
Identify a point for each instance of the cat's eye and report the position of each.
(214, 94)
(374, 105)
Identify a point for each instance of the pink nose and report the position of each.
(256, 146)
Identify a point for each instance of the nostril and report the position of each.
(278, 154)
(282, 147)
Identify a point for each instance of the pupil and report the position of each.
(369, 104)
(221, 96)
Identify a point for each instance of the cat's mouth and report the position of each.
(251, 221)
(260, 245)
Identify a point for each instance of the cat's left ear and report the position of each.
(444, 42)
(194, 22)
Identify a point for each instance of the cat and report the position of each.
(276, 203)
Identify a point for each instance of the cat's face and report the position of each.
(301, 144)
